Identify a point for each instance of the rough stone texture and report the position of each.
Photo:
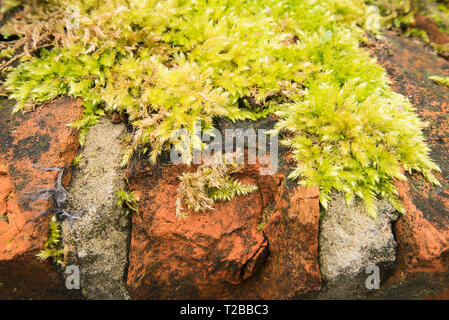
(422, 234)
(350, 241)
(40, 138)
(292, 270)
(221, 253)
(98, 242)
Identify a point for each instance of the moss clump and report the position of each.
(211, 182)
(128, 202)
(395, 13)
(401, 14)
(438, 10)
(170, 64)
(442, 80)
(33, 29)
(53, 246)
(7, 5)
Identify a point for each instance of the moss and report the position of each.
(438, 11)
(268, 211)
(401, 14)
(77, 160)
(395, 13)
(28, 29)
(53, 248)
(442, 49)
(441, 80)
(212, 181)
(8, 5)
(414, 32)
(128, 202)
(4, 217)
(170, 64)
(32, 147)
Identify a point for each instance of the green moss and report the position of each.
(395, 13)
(53, 246)
(442, 49)
(170, 64)
(77, 160)
(7, 5)
(266, 215)
(128, 202)
(442, 80)
(211, 182)
(401, 14)
(413, 32)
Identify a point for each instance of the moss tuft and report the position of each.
(212, 181)
(53, 248)
(171, 64)
(128, 202)
(442, 80)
